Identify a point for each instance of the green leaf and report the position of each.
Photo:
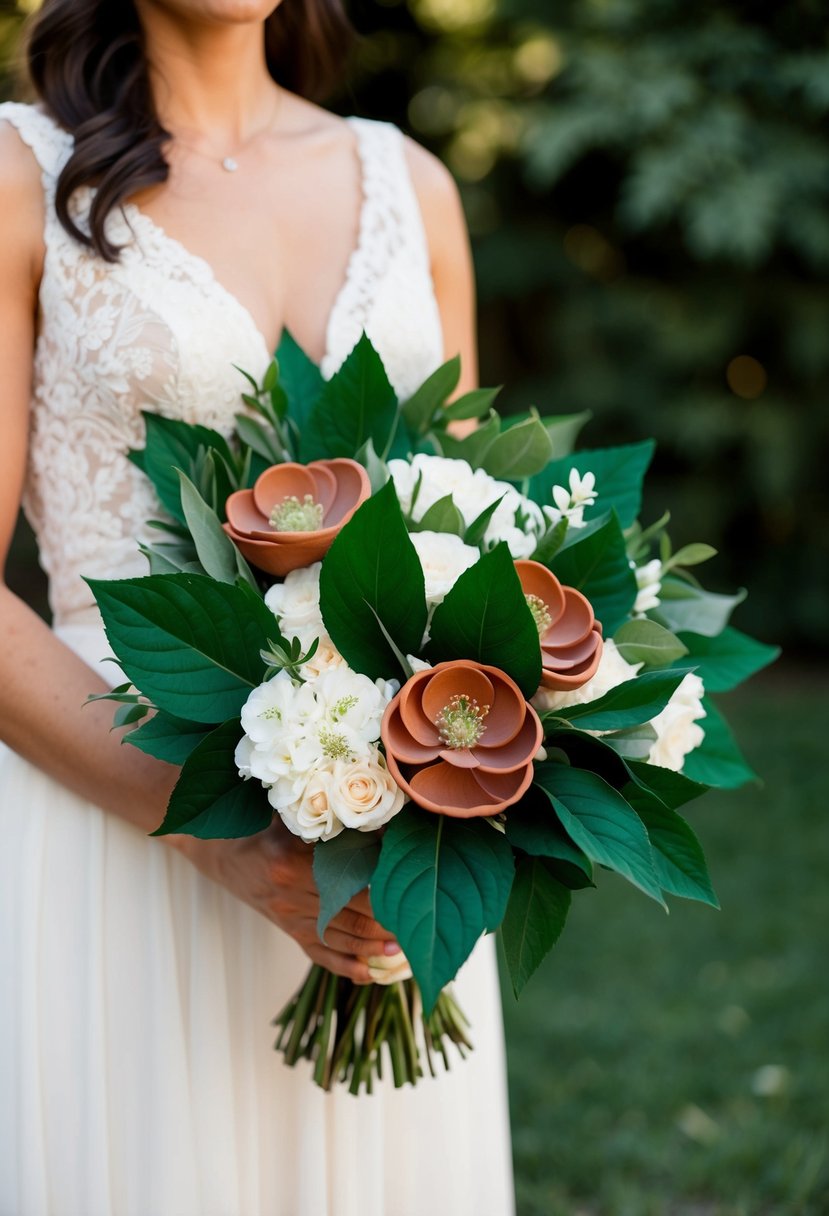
(678, 855)
(260, 438)
(520, 451)
(425, 401)
(632, 743)
(216, 551)
(631, 703)
(187, 642)
(210, 799)
(171, 558)
(442, 516)
(533, 828)
(564, 430)
(644, 641)
(167, 738)
(473, 447)
(476, 531)
(692, 555)
(686, 608)
(299, 378)
(170, 445)
(599, 820)
(377, 469)
(598, 567)
(724, 661)
(356, 404)
(619, 472)
(471, 405)
(718, 760)
(485, 617)
(372, 571)
(535, 916)
(439, 885)
(343, 866)
(550, 543)
(674, 789)
(125, 714)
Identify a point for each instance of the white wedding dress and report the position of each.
(137, 1076)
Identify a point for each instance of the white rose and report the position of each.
(677, 731)
(324, 657)
(296, 602)
(315, 816)
(444, 558)
(388, 969)
(612, 670)
(363, 794)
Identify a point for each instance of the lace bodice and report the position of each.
(157, 331)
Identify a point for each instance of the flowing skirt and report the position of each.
(137, 1076)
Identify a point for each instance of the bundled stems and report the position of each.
(351, 1032)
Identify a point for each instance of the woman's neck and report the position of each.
(207, 78)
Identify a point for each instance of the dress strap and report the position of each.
(50, 144)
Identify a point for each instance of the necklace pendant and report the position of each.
(230, 164)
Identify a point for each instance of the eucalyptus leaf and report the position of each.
(420, 409)
(473, 404)
(473, 447)
(686, 608)
(216, 551)
(564, 430)
(261, 439)
(210, 799)
(520, 451)
(535, 916)
(646, 642)
(439, 885)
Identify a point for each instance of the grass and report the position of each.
(679, 1066)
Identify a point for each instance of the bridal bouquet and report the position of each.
(460, 667)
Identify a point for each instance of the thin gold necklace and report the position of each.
(230, 162)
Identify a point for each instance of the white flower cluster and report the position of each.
(649, 585)
(516, 519)
(570, 504)
(677, 727)
(314, 745)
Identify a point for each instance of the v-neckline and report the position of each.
(138, 219)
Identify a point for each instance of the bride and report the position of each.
(172, 201)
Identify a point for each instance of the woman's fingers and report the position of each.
(356, 924)
(340, 964)
(347, 943)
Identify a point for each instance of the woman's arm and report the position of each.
(43, 684)
(451, 259)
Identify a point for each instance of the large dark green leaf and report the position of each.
(210, 799)
(678, 856)
(673, 789)
(299, 378)
(343, 866)
(356, 404)
(170, 445)
(485, 617)
(619, 474)
(628, 704)
(167, 738)
(439, 885)
(188, 643)
(724, 661)
(718, 760)
(535, 916)
(602, 823)
(372, 574)
(598, 567)
(533, 827)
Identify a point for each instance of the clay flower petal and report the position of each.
(570, 635)
(485, 734)
(291, 516)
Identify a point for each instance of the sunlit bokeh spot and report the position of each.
(453, 14)
(592, 252)
(746, 377)
(539, 59)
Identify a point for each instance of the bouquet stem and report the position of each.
(345, 1030)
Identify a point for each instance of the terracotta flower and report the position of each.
(291, 516)
(460, 739)
(571, 637)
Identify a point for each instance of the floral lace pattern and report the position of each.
(157, 332)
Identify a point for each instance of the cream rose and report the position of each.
(388, 969)
(444, 558)
(363, 794)
(296, 602)
(677, 729)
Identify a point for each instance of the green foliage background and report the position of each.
(647, 186)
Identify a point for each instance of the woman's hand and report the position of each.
(272, 872)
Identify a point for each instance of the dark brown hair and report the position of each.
(87, 63)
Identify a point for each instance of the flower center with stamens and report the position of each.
(343, 706)
(291, 515)
(540, 613)
(461, 722)
(334, 745)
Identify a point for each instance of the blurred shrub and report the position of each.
(647, 184)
